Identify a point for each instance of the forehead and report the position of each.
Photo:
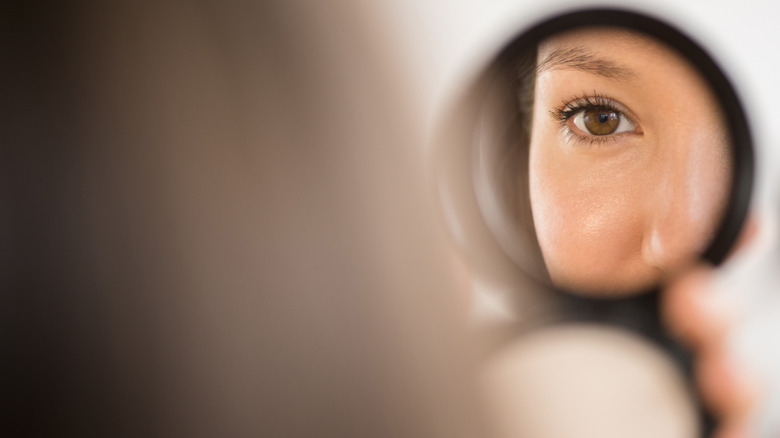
(613, 52)
(606, 37)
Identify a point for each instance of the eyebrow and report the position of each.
(579, 58)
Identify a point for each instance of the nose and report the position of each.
(685, 199)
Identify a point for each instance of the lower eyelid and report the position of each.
(581, 141)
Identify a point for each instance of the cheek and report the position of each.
(587, 217)
(710, 175)
(691, 203)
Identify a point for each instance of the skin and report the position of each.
(619, 213)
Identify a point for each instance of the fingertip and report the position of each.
(733, 430)
(683, 307)
(728, 387)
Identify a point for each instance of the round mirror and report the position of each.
(602, 152)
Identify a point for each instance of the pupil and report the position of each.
(603, 118)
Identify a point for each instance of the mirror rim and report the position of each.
(739, 197)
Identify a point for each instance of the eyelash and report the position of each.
(577, 104)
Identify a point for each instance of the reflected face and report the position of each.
(630, 160)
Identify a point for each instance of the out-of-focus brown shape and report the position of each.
(213, 223)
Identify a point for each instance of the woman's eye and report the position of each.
(602, 121)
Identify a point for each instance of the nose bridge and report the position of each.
(672, 225)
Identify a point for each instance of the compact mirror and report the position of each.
(605, 151)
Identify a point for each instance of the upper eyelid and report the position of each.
(589, 100)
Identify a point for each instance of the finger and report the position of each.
(733, 429)
(728, 387)
(693, 312)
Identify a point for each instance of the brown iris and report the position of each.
(601, 121)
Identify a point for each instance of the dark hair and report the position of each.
(502, 149)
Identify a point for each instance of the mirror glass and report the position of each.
(629, 159)
(605, 157)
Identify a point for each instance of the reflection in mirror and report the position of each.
(604, 160)
(629, 159)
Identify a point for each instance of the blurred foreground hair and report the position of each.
(213, 223)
